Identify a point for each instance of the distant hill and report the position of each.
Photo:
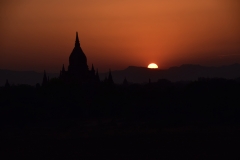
(22, 77)
(186, 72)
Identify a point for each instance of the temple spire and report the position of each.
(93, 70)
(77, 43)
(110, 79)
(63, 68)
(97, 76)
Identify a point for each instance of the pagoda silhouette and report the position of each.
(78, 71)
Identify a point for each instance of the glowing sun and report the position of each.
(153, 66)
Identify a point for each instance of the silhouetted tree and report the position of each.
(37, 85)
(149, 81)
(105, 80)
(7, 85)
(125, 82)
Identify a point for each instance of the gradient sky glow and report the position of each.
(40, 34)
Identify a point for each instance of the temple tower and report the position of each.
(78, 67)
(78, 71)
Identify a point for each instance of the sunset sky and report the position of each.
(40, 34)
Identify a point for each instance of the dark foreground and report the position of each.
(162, 120)
(101, 142)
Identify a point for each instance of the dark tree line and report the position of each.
(205, 102)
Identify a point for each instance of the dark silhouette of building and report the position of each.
(45, 80)
(78, 71)
(110, 79)
(97, 76)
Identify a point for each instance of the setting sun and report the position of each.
(152, 65)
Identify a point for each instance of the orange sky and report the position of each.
(40, 34)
